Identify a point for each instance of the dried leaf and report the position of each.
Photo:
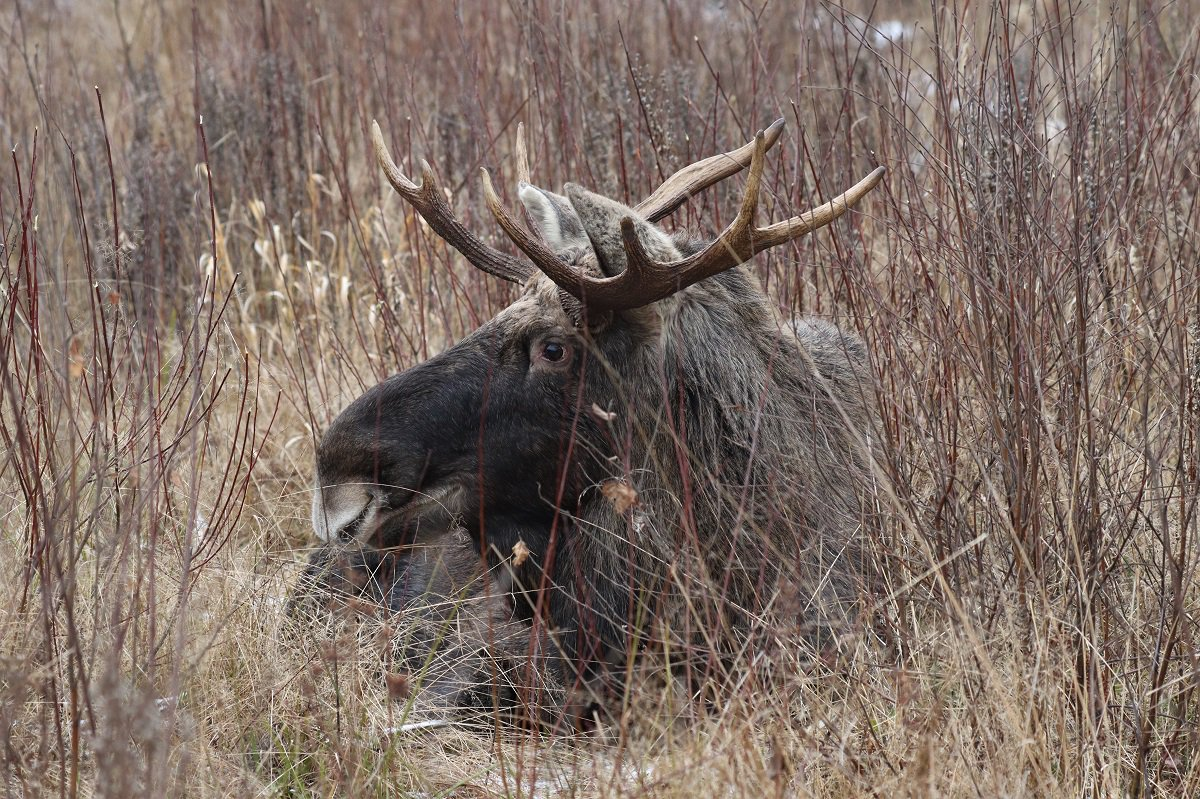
(398, 686)
(76, 366)
(620, 494)
(520, 553)
(384, 636)
(603, 415)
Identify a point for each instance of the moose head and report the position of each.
(638, 424)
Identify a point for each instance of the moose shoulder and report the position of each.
(670, 459)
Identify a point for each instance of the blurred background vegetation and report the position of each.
(202, 264)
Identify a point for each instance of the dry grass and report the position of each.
(186, 304)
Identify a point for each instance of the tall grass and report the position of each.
(202, 265)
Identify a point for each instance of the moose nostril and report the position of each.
(342, 511)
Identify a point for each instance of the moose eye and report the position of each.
(550, 353)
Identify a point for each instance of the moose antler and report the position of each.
(430, 203)
(674, 191)
(645, 280)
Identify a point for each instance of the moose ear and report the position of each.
(601, 219)
(555, 218)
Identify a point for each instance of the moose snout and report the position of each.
(343, 511)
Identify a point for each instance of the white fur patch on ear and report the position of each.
(540, 211)
(555, 218)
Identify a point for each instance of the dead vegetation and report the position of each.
(202, 264)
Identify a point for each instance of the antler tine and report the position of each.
(522, 155)
(803, 224)
(544, 258)
(430, 203)
(697, 177)
(749, 205)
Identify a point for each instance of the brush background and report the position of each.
(202, 264)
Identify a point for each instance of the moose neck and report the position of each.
(736, 456)
(720, 353)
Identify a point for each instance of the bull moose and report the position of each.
(636, 450)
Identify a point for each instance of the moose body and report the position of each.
(668, 461)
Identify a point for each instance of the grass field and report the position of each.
(202, 265)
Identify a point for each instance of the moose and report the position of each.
(637, 451)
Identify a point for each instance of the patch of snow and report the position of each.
(414, 726)
(890, 32)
